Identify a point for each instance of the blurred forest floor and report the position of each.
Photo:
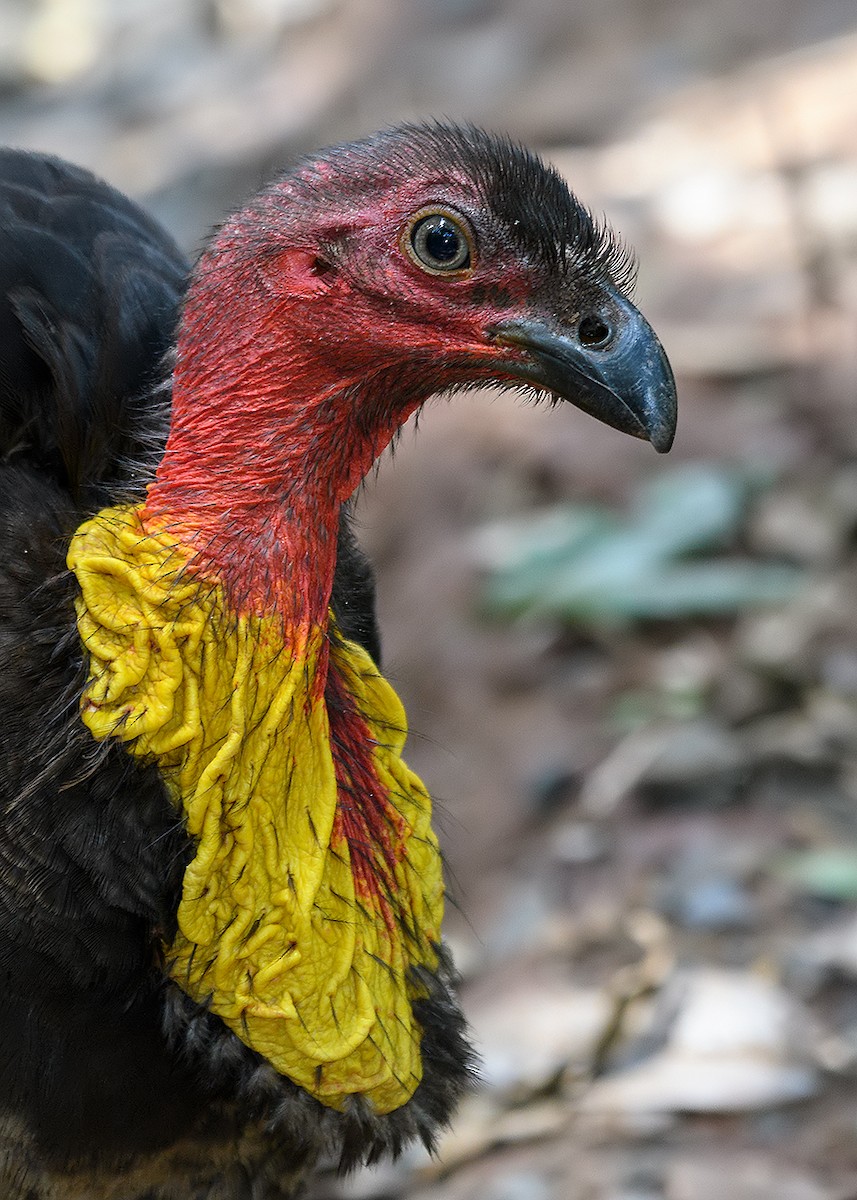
(648, 786)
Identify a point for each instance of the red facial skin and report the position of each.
(304, 346)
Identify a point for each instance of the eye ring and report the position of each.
(439, 242)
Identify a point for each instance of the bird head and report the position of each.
(374, 275)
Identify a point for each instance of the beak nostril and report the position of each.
(594, 333)
(614, 369)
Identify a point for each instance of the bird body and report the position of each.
(220, 892)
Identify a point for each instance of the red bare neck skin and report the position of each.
(270, 433)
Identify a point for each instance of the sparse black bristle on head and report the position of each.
(526, 195)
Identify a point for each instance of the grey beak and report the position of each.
(623, 377)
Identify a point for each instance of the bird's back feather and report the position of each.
(89, 294)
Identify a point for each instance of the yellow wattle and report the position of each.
(305, 957)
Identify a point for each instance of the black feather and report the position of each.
(89, 295)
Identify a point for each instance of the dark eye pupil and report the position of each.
(443, 241)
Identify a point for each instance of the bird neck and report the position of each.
(311, 907)
(271, 431)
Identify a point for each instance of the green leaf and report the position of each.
(699, 589)
(830, 873)
(582, 564)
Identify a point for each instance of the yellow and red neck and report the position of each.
(315, 892)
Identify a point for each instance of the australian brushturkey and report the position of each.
(220, 892)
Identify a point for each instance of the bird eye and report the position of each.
(439, 242)
(594, 333)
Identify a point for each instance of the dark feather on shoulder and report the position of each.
(90, 289)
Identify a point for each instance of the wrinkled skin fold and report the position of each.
(315, 888)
